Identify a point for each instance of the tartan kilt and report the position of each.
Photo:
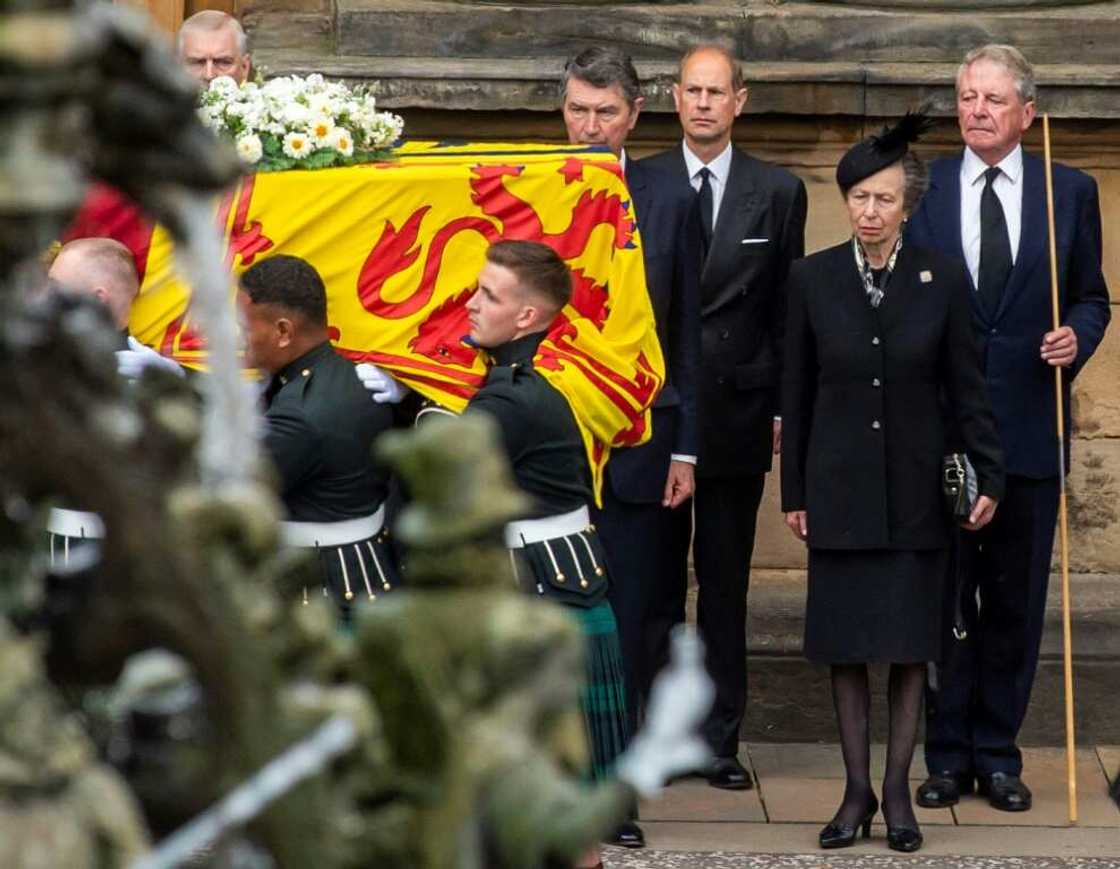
(604, 697)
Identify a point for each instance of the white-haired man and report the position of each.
(212, 44)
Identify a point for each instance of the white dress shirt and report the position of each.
(719, 169)
(1008, 188)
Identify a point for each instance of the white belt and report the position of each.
(520, 534)
(314, 534)
(75, 523)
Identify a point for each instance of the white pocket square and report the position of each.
(754, 241)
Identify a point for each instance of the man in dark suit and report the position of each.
(641, 522)
(752, 218)
(988, 207)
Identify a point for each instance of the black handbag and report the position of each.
(958, 485)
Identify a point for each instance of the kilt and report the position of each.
(604, 697)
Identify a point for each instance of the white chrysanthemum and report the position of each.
(298, 145)
(320, 130)
(314, 82)
(342, 141)
(249, 148)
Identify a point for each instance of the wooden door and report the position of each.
(169, 14)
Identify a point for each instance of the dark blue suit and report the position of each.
(985, 684)
(648, 584)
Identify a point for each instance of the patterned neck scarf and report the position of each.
(874, 293)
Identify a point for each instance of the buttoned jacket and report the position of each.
(865, 394)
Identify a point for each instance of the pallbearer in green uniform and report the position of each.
(555, 551)
(320, 426)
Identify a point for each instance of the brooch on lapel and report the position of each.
(926, 277)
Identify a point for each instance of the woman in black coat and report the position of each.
(879, 350)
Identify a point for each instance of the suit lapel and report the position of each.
(636, 183)
(735, 209)
(901, 283)
(945, 201)
(1032, 235)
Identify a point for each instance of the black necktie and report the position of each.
(995, 245)
(704, 202)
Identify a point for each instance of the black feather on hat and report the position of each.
(877, 152)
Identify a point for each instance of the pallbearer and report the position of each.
(556, 551)
(320, 426)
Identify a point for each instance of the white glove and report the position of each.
(383, 389)
(132, 362)
(669, 744)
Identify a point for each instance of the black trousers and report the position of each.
(985, 680)
(725, 510)
(648, 585)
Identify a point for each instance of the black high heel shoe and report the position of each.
(905, 839)
(836, 835)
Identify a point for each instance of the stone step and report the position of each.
(758, 30)
(858, 89)
(790, 699)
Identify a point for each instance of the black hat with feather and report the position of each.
(877, 152)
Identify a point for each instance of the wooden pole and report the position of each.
(1067, 635)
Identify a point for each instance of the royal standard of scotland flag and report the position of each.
(399, 245)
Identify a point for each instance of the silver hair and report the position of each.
(1011, 59)
(212, 19)
(603, 66)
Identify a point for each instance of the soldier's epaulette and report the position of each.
(502, 373)
(297, 383)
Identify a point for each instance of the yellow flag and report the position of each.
(399, 245)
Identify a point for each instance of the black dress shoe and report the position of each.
(1005, 792)
(628, 835)
(836, 835)
(904, 838)
(943, 789)
(729, 774)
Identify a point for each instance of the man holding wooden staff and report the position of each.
(988, 206)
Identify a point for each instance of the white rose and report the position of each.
(249, 148)
(296, 115)
(224, 86)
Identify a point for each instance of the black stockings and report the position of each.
(904, 695)
(851, 694)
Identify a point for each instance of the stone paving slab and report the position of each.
(695, 800)
(1039, 844)
(800, 800)
(1110, 760)
(686, 860)
(815, 760)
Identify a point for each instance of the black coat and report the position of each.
(742, 310)
(670, 231)
(862, 400)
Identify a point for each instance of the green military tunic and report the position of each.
(320, 425)
(545, 449)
